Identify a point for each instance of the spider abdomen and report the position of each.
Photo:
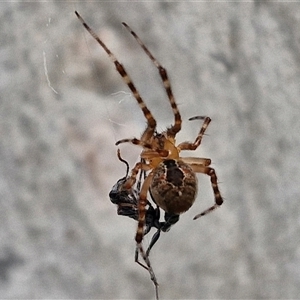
(174, 186)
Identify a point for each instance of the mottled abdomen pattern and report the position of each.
(174, 186)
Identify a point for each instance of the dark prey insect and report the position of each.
(171, 179)
(127, 205)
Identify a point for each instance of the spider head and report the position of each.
(161, 147)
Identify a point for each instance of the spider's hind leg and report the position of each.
(139, 248)
(214, 183)
(142, 203)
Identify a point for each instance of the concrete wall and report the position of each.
(63, 106)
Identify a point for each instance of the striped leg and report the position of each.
(151, 153)
(142, 203)
(196, 144)
(132, 179)
(172, 131)
(139, 248)
(135, 142)
(214, 183)
(151, 123)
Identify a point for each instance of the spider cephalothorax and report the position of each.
(170, 179)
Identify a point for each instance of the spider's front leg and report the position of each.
(174, 129)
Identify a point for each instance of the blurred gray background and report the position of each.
(63, 107)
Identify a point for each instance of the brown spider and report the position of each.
(171, 180)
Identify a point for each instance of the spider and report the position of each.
(171, 179)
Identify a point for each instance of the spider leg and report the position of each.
(132, 179)
(196, 161)
(142, 174)
(142, 202)
(151, 123)
(170, 219)
(139, 248)
(196, 144)
(172, 131)
(135, 142)
(151, 153)
(214, 183)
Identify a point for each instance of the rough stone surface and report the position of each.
(63, 106)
